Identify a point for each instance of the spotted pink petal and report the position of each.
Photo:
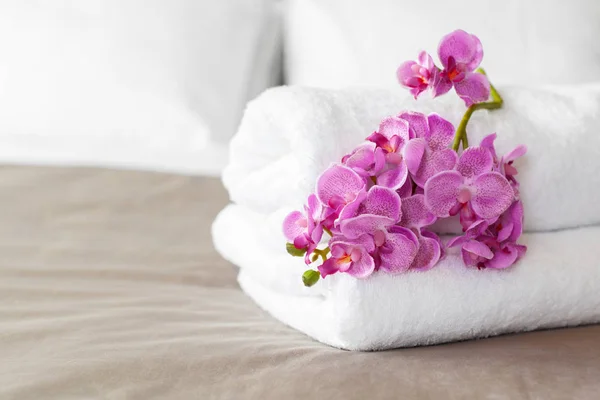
(466, 49)
(294, 225)
(314, 213)
(474, 88)
(506, 231)
(301, 241)
(406, 188)
(440, 134)
(394, 126)
(364, 224)
(503, 258)
(339, 181)
(488, 143)
(329, 267)
(408, 79)
(478, 248)
(431, 235)
(456, 241)
(417, 123)
(415, 213)
(493, 195)
(428, 254)
(434, 162)
(517, 152)
(439, 83)
(425, 60)
(384, 202)
(366, 159)
(512, 223)
(401, 247)
(474, 161)
(413, 154)
(351, 209)
(362, 264)
(441, 192)
(517, 214)
(394, 177)
(365, 241)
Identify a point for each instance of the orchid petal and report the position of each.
(338, 181)
(364, 224)
(406, 188)
(466, 49)
(441, 192)
(474, 88)
(478, 248)
(329, 267)
(401, 248)
(488, 143)
(393, 126)
(362, 159)
(384, 202)
(440, 84)
(503, 258)
(516, 213)
(413, 154)
(351, 209)
(506, 231)
(415, 213)
(474, 161)
(362, 267)
(425, 60)
(440, 134)
(493, 195)
(394, 177)
(294, 225)
(515, 153)
(417, 123)
(457, 241)
(434, 162)
(428, 254)
(404, 72)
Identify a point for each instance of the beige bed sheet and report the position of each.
(110, 289)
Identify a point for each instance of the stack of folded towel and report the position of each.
(290, 135)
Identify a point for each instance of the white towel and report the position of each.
(290, 135)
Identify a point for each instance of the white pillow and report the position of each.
(150, 83)
(333, 43)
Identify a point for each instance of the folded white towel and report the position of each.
(290, 135)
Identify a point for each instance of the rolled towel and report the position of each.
(290, 135)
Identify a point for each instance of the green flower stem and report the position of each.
(323, 253)
(461, 131)
(328, 231)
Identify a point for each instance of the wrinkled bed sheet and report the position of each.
(110, 288)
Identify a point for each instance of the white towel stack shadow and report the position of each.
(290, 135)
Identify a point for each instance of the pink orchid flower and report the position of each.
(340, 190)
(460, 54)
(472, 187)
(422, 75)
(304, 229)
(483, 247)
(352, 257)
(395, 246)
(427, 152)
(391, 140)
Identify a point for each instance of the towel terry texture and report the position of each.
(290, 135)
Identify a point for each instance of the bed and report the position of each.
(110, 288)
